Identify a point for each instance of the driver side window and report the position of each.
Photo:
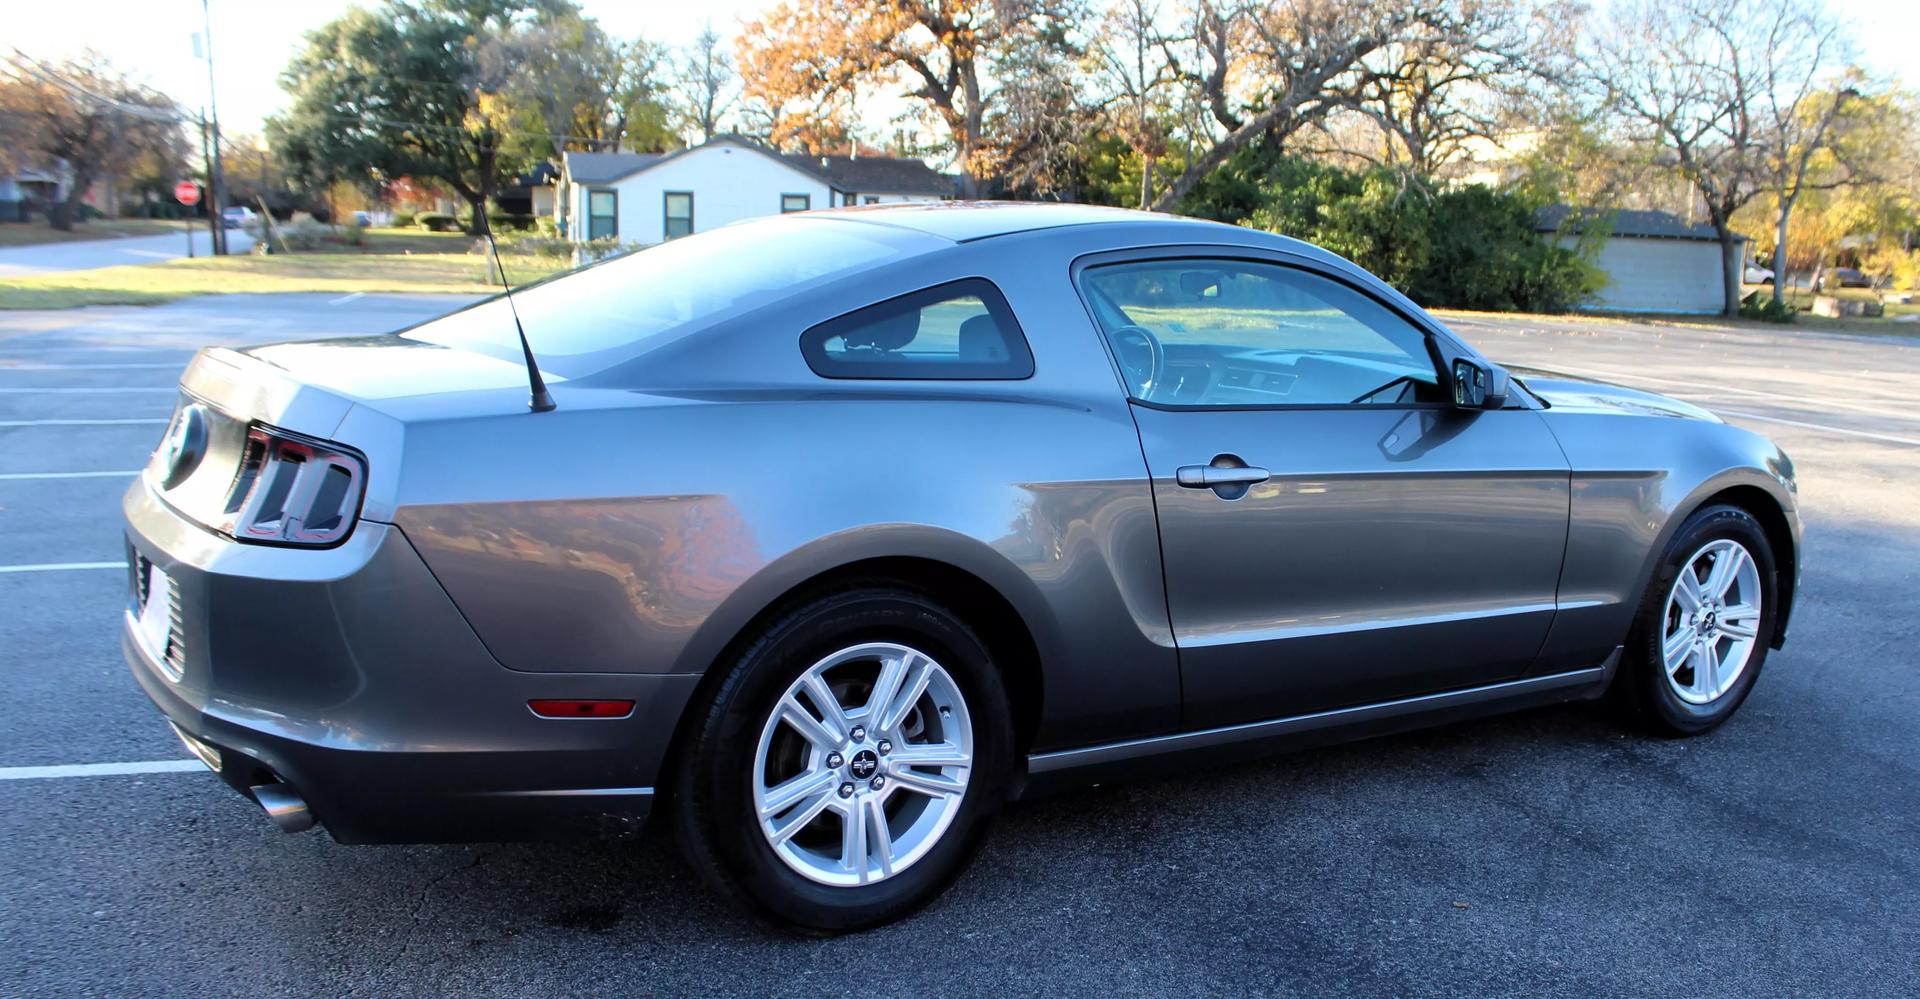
(1207, 332)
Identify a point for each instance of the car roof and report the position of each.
(966, 221)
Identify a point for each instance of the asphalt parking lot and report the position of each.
(1541, 853)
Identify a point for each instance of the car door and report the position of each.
(1334, 531)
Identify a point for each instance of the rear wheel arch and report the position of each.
(1008, 633)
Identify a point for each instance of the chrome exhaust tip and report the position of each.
(286, 808)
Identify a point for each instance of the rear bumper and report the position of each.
(349, 676)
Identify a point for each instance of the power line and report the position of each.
(27, 64)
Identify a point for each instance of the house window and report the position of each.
(603, 215)
(679, 214)
(872, 200)
(795, 203)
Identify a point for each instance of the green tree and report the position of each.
(405, 91)
(570, 85)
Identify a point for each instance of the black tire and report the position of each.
(1642, 688)
(710, 794)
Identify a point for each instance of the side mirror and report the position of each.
(1478, 386)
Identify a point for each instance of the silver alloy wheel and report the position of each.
(1712, 621)
(863, 764)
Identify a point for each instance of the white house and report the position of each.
(1655, 261)
(651, 197)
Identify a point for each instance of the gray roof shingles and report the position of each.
(1624, 222)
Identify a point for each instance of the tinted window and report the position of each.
(795, 202)
(958, 330)
(595, 316)
(1201, 332)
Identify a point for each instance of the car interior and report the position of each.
(1234, 333)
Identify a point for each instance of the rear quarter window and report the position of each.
(962, 330)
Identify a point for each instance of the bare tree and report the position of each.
(1265, 71)
(1803, 94)
(705, 84)
(1440, 90)
(89, 117)
(1703, 78)
(1136, 81)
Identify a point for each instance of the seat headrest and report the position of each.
(980, 340)
(891, 333)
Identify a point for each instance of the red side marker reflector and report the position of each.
(581, 708)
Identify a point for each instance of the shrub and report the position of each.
(438, 222)
(547, 227)
(1472, 248)
(509, 222)
(539, 246)
(1761, 306)
(402, 219)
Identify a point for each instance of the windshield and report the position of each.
(581, 322)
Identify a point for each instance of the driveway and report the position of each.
(1538, 854)
(49, 258)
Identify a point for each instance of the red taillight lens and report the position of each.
(581, 708)
(293, 490)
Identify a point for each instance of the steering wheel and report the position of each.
(1156, 357)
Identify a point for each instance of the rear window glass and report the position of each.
(960, 330)
(582, 321)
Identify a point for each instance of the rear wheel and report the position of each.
(1703, 629)
(848, 763)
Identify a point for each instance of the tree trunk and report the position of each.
(477, 223)
(1780, 249)
(62, 214)
(1146, 182)
(1729, 270)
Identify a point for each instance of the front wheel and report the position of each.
(1703, 629)
(848, 763)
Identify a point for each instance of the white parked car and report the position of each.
(1756, 274)
(238, 217)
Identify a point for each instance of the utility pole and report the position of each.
(214, 222)
(216, 180)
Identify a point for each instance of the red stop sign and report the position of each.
(187, 193)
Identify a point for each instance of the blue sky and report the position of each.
(253, 39)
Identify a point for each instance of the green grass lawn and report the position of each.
(343, 273)
(38, 233)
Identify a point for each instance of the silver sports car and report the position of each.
(829, 534)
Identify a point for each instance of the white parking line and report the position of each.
(103, 769)
(4, 476)
(1736, 390)
(61, 566)
(42, 366)
(346, 298)
(1870, 435)
(79, 423)
(170, 389)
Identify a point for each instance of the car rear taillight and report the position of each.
(293, 490)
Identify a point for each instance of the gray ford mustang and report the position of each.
(840, 530)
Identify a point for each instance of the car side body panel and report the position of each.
(1641, 464)
(645, 535)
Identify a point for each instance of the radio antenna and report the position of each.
(539, 401)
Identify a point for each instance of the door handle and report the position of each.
(1226, 475)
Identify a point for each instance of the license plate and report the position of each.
(154, 622)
